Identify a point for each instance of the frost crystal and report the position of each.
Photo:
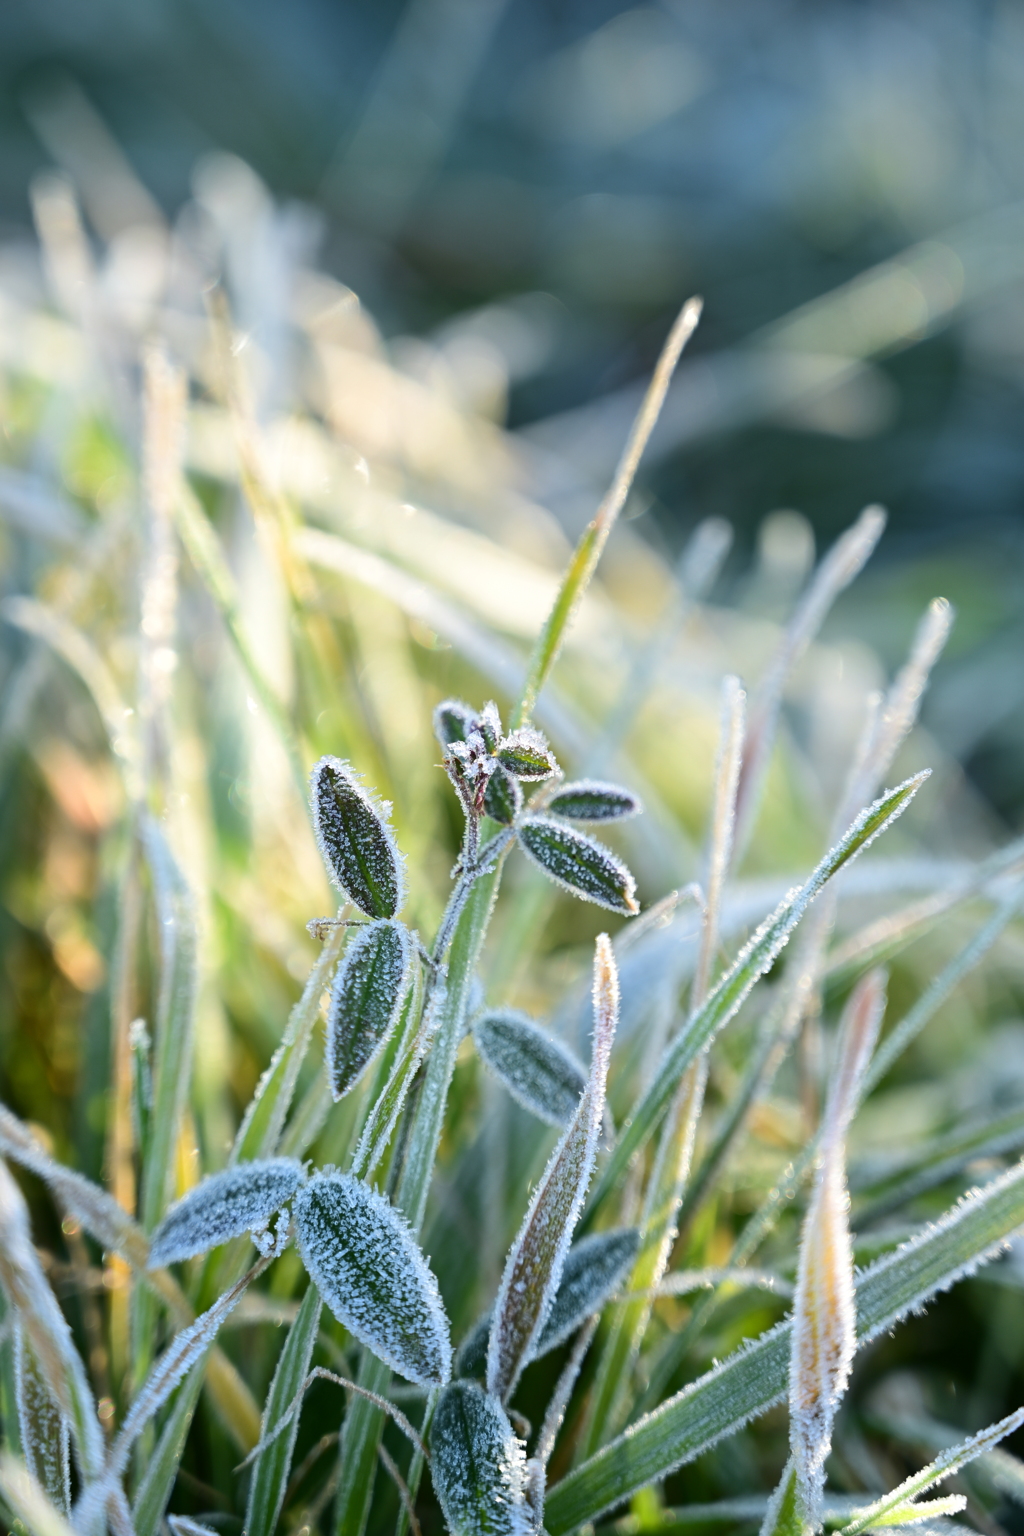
(45, 1437)
(582, 865)
(539, 1072)
(595, 1267)
(355, 839)
(478, 1465)
(526, 754)
(452, 721)
(240, 1199)
(365, 1001)
(534, 1266)
(369, 1270)
(594, 800)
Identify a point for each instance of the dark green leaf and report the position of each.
(365, 1001)
(503, 799)
(355, 840)
(526, 754)
(478, 1465)
(592, 800)
(583, 866)
(539, 1072)
(369, 1270)
(594, 1269)
(452, 721)
(239, 1199)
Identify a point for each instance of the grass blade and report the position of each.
(270, 1474)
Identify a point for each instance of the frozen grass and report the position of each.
(269, 635)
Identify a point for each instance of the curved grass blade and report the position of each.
(239, 1199)
(162, 1466)
(579, 864)
(539, 1072)
(27, 1499)
(369, 1270)
(270, 1474)
(534, 1266)
(356, 842)
(735, 986)
(365, 1001)
(42, 1428)
(477, 1464)
(594, 800)
(754, 1378)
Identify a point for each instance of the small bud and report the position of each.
(526, 754)
(583, 866)
(489, 725)
(590, 800)
(355, 840)
(452, 721)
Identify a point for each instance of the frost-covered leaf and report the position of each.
(270, 1474)
(365, 1001)
(184, 1525)
(239, 1199)
(478, 1465)
(453, 720)
(503, 799)
(579, 863)
(783, 1516)
(526, 754)
(595, 1267)
(26, 1499)
(594, 800)
(533, 1270)
(355, 839)
(539, 1072)
(370, 1271)
(45, 1437)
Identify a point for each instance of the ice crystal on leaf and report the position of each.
(356, 842)
(478, 1465)
(239, 1199)
(534, 1266)
(370, 1271)
(539, 1072)
(594, 800)
(365, 1001)
(526, 754)
(579, 863)
(45, 1433)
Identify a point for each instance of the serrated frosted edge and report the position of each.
(352, 954)
(377, 808)
(612, 859)
(175, 1239)
(391, 1217)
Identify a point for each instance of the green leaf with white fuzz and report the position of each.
(355, 839)
(593, 800)
(366, 999)
(539, 1072)
(478, 1465)
(580, 864)
(239, 1199)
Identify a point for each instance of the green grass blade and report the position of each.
(270, 1474)
(162, 1467)
(753, 1379)
(739, 980)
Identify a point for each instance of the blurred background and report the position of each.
(521, 192)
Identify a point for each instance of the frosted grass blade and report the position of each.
(27, 1499)
(355, 839)
(28, 1291)
(270, 1474)
(365, 1001)
(477, 1464)
(754, 1378)
(369, 1270)
(591, 545)
(162, 1466)
(735, 986)
(42, 1428)
(239, 1199)
(539, 1072)
(534, 1266)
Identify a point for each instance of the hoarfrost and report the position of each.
(365, 1001)
(45, 1435)
(240, 1199)
(534, 1266)
(355, 839)
(594, 800)
(594, 1269)
(453, 719)
(578, 863)
(478, 1465)
(539, 1072)
(370, 1271)
(525, 753)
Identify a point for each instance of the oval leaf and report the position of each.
(503, 799)
(240, 1199)
(369, 1270)
(365, 1001)
(526, 754)
(355, 840)
(595, 1267)
(593, 800)
(478, 1465)
(540, 1073)
(452, 721)
(583, 866)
